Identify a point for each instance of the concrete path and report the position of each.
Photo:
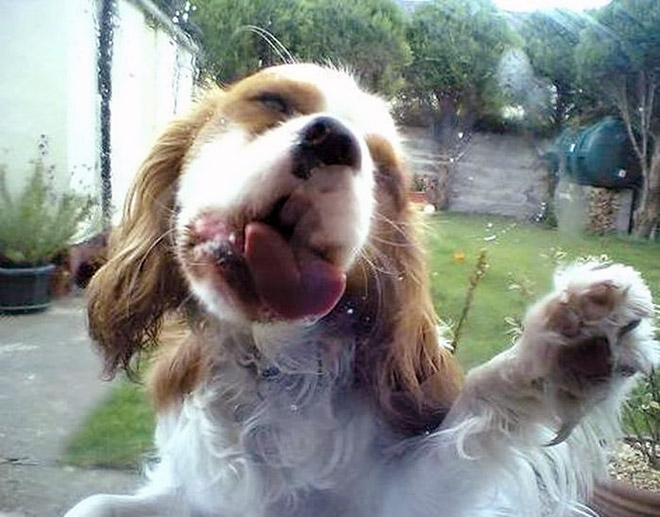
(49, 381)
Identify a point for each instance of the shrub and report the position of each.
(641, 418)
(38, 223)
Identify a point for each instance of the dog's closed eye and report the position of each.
(275, 102)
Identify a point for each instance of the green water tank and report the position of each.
(600, 155)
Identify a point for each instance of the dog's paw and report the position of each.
(595, 329)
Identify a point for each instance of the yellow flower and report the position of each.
(459, 256)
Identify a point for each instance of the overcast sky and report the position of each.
(531, 5)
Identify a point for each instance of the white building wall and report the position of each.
(33, 87)
(48, 85)
(152, 80)
(82, 99)
(133, 97)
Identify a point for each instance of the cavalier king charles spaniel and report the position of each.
(269, 248)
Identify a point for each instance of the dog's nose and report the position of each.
(325, 141)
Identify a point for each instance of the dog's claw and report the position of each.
(562, 435)
(629, 327)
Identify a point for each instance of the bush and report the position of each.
(39, 223)
(641, 418)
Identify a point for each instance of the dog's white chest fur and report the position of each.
(274, 438)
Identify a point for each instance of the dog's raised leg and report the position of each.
(536, 417)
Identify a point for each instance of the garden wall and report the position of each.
(491, 174)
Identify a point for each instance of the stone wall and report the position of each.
(505, 175)
(491, 174)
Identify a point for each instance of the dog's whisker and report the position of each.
(389, 242)
(397, 225)
(185, 301)
(274, 43)
(380, 261)
(400, 229)
(378, 269)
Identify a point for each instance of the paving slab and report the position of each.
(50, 378)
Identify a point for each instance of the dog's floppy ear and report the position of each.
(130, 294)
(414, 379)
(421, 378)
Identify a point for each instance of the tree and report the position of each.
(231, 40)
(241, 36)
(456, 46)
(550, 39)
(618, 57)
(367, 35)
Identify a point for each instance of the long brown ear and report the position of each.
(414, 380)
(129, 295)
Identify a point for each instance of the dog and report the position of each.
(268, 246)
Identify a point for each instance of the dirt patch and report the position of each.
(629, 465)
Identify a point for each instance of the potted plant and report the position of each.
(35, 226)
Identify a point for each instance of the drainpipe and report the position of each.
(104, 71)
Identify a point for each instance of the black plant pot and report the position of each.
(25, 289)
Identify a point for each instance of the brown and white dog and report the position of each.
(308, 376)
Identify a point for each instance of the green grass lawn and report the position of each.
(518, 254)
(119, 432)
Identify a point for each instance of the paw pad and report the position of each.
(600, 319)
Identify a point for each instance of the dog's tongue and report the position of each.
(292, 284)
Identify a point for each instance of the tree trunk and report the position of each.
(561, 105)
(638, 120)
(446, 124)
(647, 215)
